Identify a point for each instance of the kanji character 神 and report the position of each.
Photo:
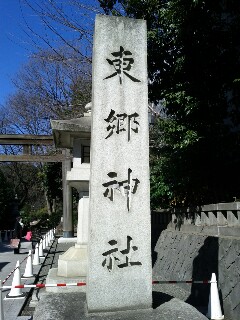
(125, 187)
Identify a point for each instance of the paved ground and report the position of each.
(168, 300)
(51, 261)
(13, 307)
(72, 306)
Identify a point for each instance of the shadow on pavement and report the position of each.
(4, 247)
(159, 298)
(3, 264)
(25, 252)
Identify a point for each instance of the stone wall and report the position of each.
(223, 216)
(182, 255)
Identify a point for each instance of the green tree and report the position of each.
(22, 180)
(51, 182)
(47, 87)
(6, 196)
(193, 66)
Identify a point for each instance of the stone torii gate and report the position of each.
(27, 141)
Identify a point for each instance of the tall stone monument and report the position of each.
(119, 270)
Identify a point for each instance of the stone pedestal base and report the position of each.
(67, 240)
(73, 263)
(53, 278)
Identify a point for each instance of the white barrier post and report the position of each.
(41, 249)
(47, 240)
(28, 273)
(44, 243)
(51, 235)
(15, 293)
(1, 303)
(214, 307)
(36, 260)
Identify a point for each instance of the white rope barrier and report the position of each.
(78, 284)
(43, 285)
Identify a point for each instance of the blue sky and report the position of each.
(15, 47)
(12, 51)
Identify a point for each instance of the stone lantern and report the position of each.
(74, 134)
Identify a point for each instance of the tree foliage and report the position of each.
(51, 183)
(6, 196)
(193, 70)
(47, 87)
(22, 178)
(55, 83)
(63, 23)
(193, 66)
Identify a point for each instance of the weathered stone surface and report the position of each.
(236, 311)
(224, 281)
(73, 263)
(225, 244)
(63, 130)
(237, 263)
(233, 275)
(53, 278)
(226, 287)
(235, 298)
(199, 256)
(120, 270)
(228, 310)
(72, 306)
(221, 252)
(230, 255)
